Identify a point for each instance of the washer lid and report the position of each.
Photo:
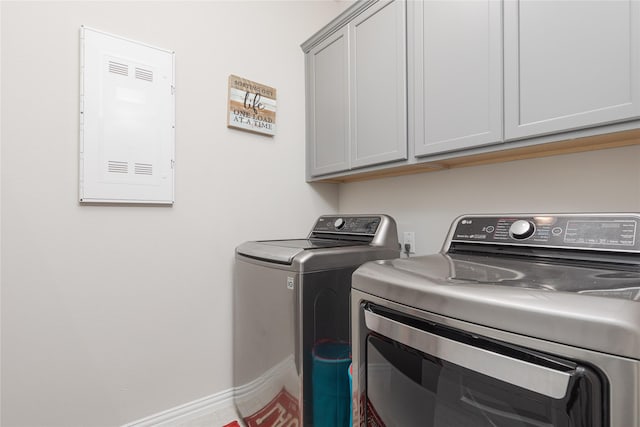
(284, 251)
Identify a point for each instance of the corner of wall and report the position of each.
(0, 209)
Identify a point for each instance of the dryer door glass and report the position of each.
(410, 387)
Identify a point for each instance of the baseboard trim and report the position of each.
(197, 408)
(251, 397)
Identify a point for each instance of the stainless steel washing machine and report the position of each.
(520, 321)
(290, 295)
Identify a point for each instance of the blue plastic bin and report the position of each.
(330, 380)
(350, 371)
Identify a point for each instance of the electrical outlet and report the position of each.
(409, 239)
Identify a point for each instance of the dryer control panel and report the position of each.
(611, 232)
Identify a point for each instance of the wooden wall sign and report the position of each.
(252, 106)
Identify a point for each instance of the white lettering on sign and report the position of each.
(284, 419)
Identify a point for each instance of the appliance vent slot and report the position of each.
(118, 167)
(118, 68)
(143, 169)
(143, 74)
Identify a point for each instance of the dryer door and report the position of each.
(422, 374)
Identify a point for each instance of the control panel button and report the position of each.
(556, 231)
(522, 229)
(339, 223)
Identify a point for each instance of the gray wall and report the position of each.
(607, 180)
(112, 313)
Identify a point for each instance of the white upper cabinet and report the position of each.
(328, 105)
(457, 80)
(378, 84)
(569, 65)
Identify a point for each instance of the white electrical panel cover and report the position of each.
(127, 121)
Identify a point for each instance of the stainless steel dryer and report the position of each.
(520, 321)
(290, 295)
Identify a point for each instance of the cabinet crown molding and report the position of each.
(340, 21)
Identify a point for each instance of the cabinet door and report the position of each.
(457, 85)
(570, 64)
(378, 84)
(328, 105)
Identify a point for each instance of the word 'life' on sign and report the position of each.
(252, 106)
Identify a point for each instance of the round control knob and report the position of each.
(339, 223)
(522, 229)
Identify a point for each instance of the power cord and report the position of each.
(407, 249)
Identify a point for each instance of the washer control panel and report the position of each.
(587, 231)
(367, 225)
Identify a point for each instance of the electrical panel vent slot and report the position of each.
(143, 169)
(118, 167)
(143, 74)
(118, 68)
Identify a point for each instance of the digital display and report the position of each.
(611, 233)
